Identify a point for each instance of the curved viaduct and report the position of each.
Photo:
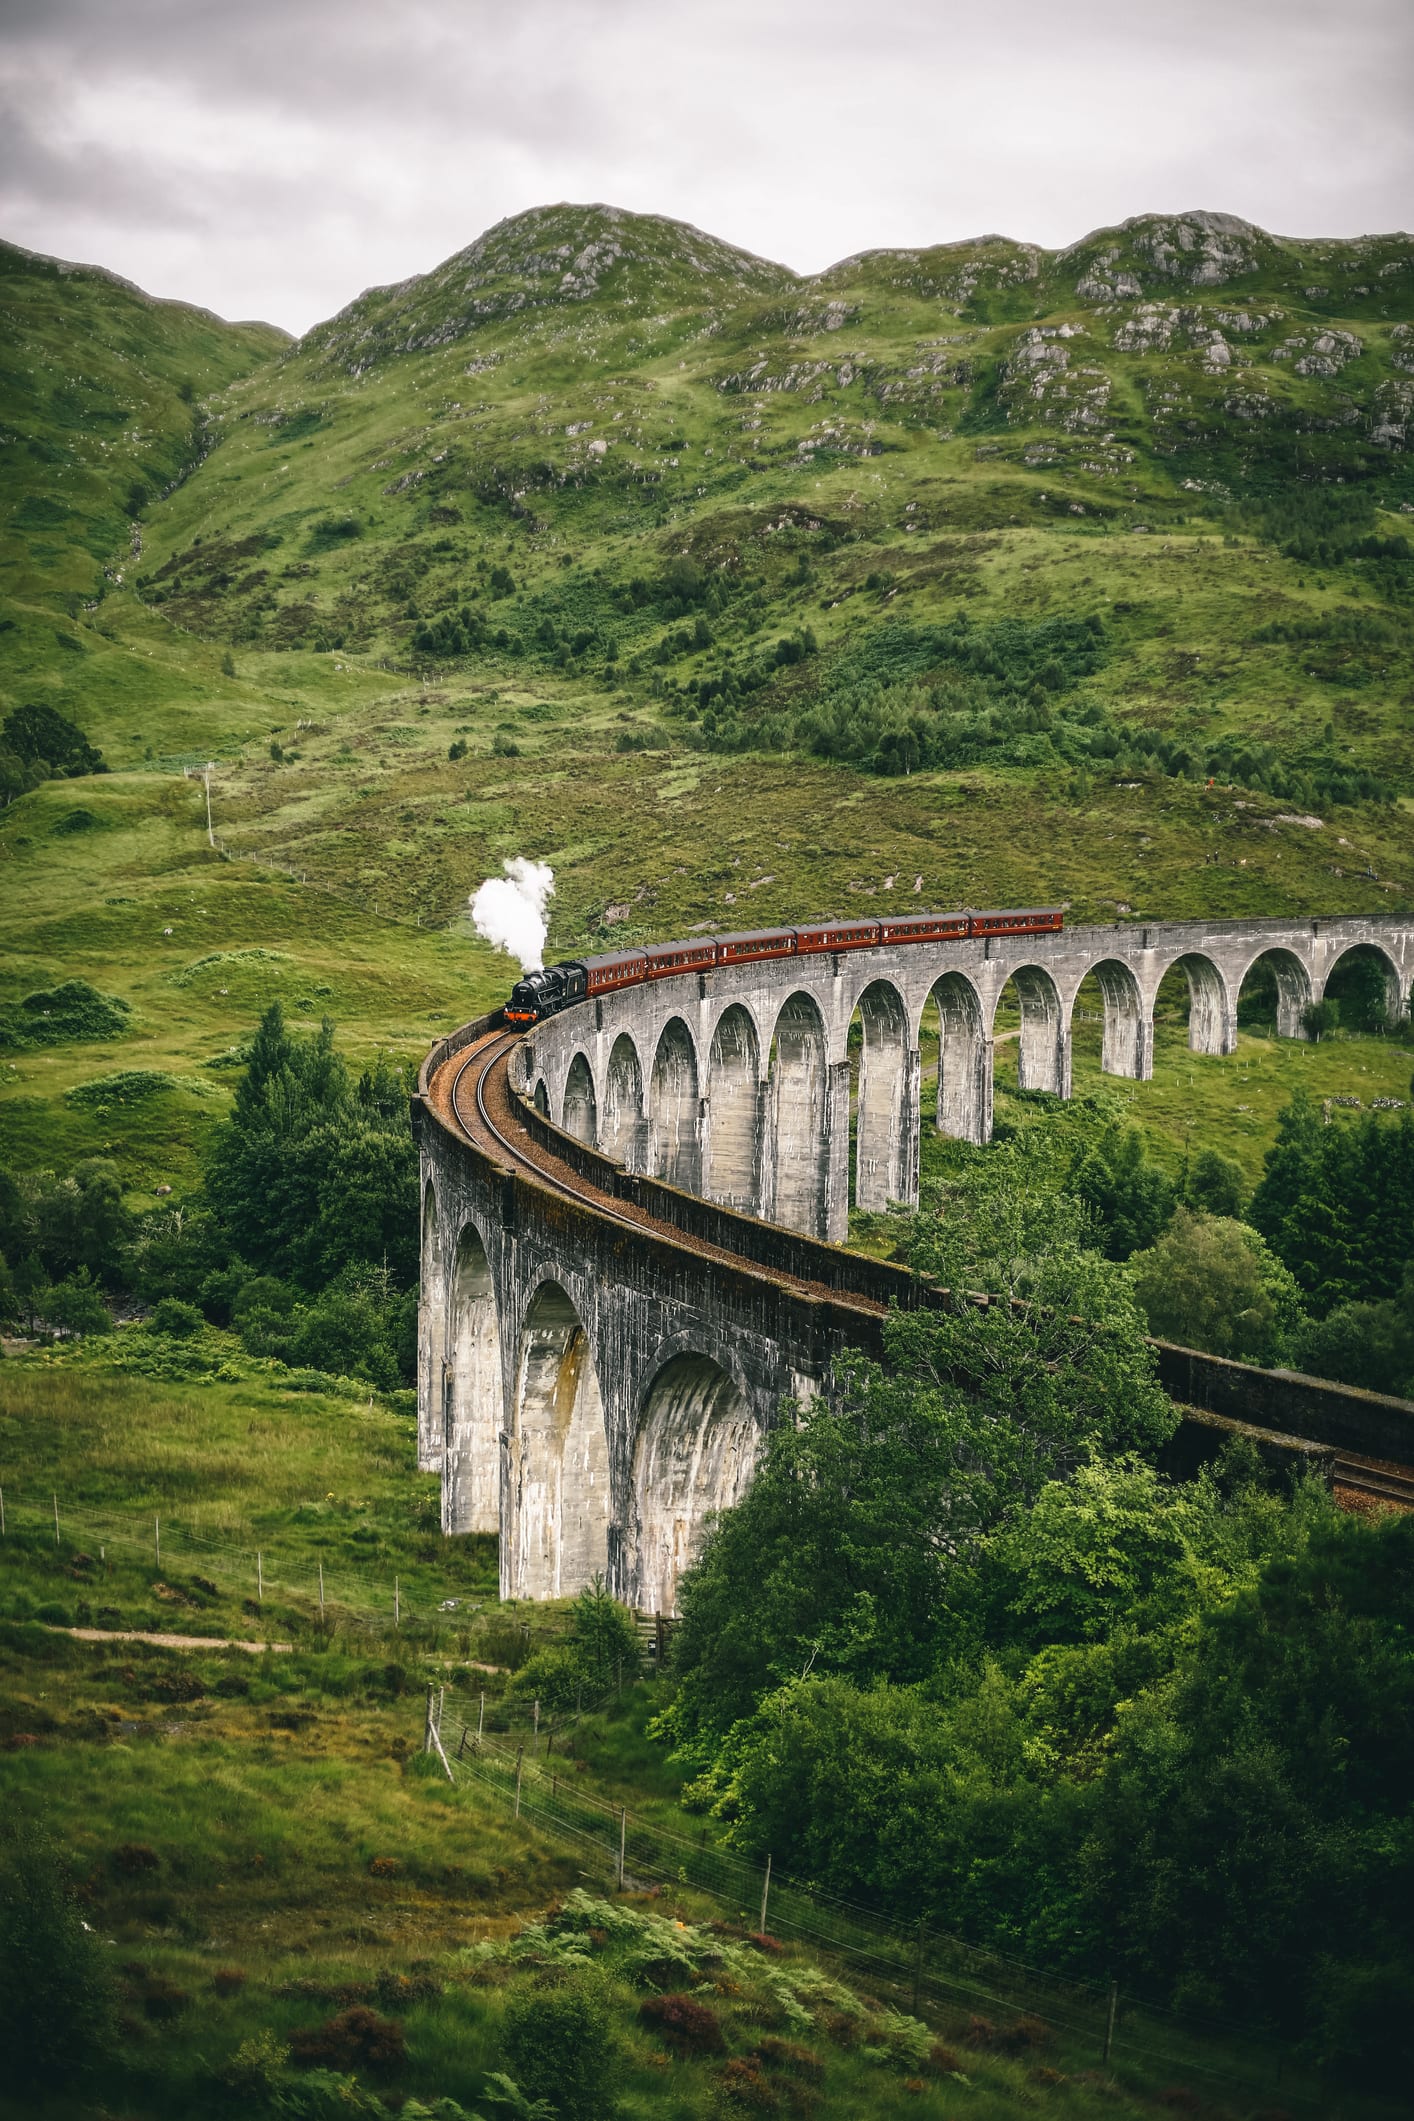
(632, 1213)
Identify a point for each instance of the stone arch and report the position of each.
(964, 1102)
(1212, 1011)
(674, 1110)
(541, 1098)
(472, 1396)
(733, 1146)
(621, 1131)
(1396, 1001)
(580, 1108)
(886, 1104)
(695, 1454)
(556, 1535)
(798, 1124)
(1294, 991)
(431, 1336)
(1043, 1037)
(1127, 1044)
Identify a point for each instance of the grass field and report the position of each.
(259, 1841)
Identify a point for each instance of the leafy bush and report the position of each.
(683, 2023)
(176, 1319)
(129, 1086)
(72, 1011)
(56, 1999)
(356, 2038)
(561, 2046)
(77, 1307)
(1216, 1284)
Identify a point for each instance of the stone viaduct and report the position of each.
(633, 1214)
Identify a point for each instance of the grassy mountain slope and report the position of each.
(1185, 430)
(101, 391)
(1096, 525)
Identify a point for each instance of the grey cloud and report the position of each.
(277, 156)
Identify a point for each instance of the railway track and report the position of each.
(1375, 1480)
(483, 1106)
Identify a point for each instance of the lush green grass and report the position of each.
(234, 1462)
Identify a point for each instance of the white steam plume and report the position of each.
(509, 910)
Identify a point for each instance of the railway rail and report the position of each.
(481, 1102)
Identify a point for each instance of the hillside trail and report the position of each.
(171, 1642)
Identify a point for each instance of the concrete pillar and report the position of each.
(911, 1129)
(431, 1336)
(837, 1152)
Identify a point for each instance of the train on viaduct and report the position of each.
(634, 1203)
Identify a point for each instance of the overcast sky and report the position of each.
(271, 158)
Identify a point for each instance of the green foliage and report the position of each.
(64, 1225)
(1213, 1184)
(1365, 1344)
(77, 1307)
(40, 736)
(74, 1010)
(313, 1173)
(1336, 1203)
(602, 1653)
(176, 1319)
(562, 2046)
(56, 1997)
(1129, 1197)
(1211, 1282)
(840, 1557)
(128, 1086)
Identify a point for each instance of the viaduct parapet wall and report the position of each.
(631, 1215)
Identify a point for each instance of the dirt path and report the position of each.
(171, 1642)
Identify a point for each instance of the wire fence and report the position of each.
(914, 1968)
(373, 1601)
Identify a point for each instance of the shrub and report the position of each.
(560, 2046)
(684, 2024)
(56, 2002)
(356, 2038)
(173, 1317)
(77, 1307)
(743, 2084)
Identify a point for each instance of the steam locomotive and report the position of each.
(542, 994)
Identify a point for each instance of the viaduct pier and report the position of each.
(632, 1213)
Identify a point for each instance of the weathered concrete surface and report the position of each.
(594, 1391)
(746, 1066)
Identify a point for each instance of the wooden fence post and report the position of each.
(520, 1763)
(765, 1892)
(1110, 2019)
(623, 1841)
(918, 1967)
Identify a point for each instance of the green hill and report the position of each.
(983, 573)
(1185, 432)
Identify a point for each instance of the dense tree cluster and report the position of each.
(37, 743)
(965, 1652)
(303, 1235)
